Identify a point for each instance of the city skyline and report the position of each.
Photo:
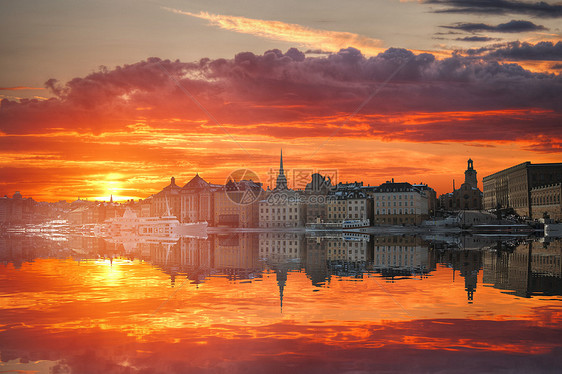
(376, 90)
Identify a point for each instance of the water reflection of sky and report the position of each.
(228, 305)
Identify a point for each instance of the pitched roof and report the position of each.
(196, 183)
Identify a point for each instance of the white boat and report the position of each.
(147, 229)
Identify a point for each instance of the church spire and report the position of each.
(281, 183)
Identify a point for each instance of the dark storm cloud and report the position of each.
(520, 51)
(288, 95)
(476, 39)
(513, 26)
(539, 9)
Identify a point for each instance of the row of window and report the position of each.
(543, 200)
(399, 203)
(279, 210)
(396, 211)
(384, 197)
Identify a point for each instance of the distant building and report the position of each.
(399, 204)
(17, 209)
(467, 197)
(511, 188)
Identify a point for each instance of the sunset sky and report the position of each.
(115, 97)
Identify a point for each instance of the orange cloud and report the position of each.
(331, 41)
(16, 88)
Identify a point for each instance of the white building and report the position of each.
(399, 204)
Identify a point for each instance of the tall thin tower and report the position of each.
(281, 183)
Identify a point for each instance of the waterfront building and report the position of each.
(282, 207)
(432, 202)
(349, 202)
(237, 204)
(511, 187)
(546, 200)
(316, 194)
(399, 204)
(197, 201)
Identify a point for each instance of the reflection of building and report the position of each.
(237, 252)
(531, 268)
(402, 254)
(467, 197)
(348, 248)
(280, 247)
(511, 188)
(316, 261)
(399, 204)
(546, 199)
(468, 263)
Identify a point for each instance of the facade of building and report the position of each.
(349, 202)
(399, 204)
(511, 188)
(167, 201)
(197, 201)
(282, 209)
(17, 209)
(316, 197)
(546, 200)
(233, 209)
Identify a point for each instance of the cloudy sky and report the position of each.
(115, 97)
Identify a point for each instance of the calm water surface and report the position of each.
(278, 303)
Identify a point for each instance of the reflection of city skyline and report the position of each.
(524, 268)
